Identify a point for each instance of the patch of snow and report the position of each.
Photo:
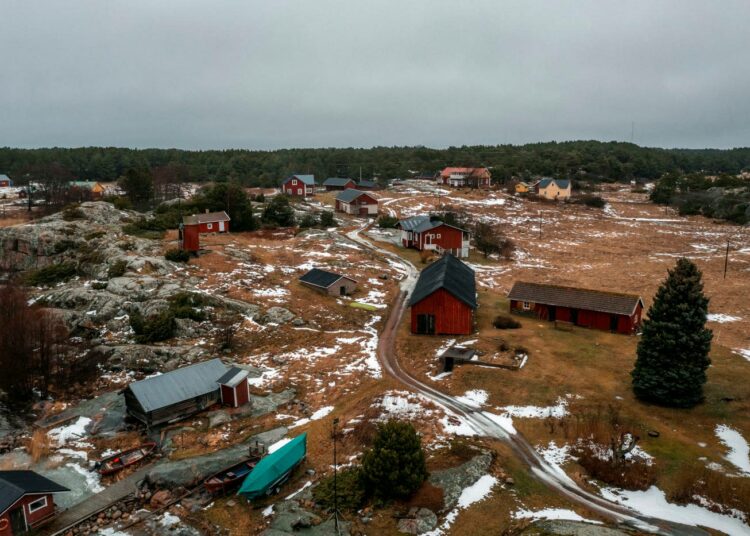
(552, 513)
(470, 495)
(92, 478)
(403, 404)
(70, 434)
(319, 414)
(739, 450)
(744, 353)
(303, 488)
(722, 318)
(447, 344)
(169, 520)
(504, 421)
(653, 503)
(267, 511)
(558, 411)
(475, 397)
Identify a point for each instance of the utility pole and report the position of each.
(726, 260)
(335, 483)
(540, 224)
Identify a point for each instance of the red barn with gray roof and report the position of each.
(444, 299)
(26, 501)
(423, 233)
(598, 309)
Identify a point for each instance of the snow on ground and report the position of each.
(653, 502)
(319, 414)
(168, 520)
(447, 344)
(478, 491)
(475, 397)
(303, 488)
(552, 513)
(744, 352)
(375, 298)
(92, 477)
(403, 405)
(504, 421)
(71, 434)
(265, 377)
(739, 450)
(721, 318)
(557, 411)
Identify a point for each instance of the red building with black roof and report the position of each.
(598, 309)
(26, 501)
(444, 299)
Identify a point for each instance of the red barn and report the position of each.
(444, 299)
(608, 311)
(235, 389)
(422, 233)
(299, 185)
(356, 203)
(26, 501)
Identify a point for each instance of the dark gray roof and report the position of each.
(321, 278)
(349, 195)
(367, 184)
(577, 298)
(450, 274)
(181, 384)
(206, 217)
(336, 181)
(409, 224)
(16, 484)
(561, 183)
(307, 179)
(233, 376)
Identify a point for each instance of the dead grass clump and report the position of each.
(505, 322)
(428, 496)
(632, 474)
(39, 445)
(723, 492)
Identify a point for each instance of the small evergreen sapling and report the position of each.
(672, 357)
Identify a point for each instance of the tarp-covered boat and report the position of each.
(273, 469)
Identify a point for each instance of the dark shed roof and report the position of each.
(450, 274)
(336, 181)
(367, 184)
(307, 179)
(577, 298)
(347, 196)
(233, 377)
(16, 484)
(321, 278)
(181, 384)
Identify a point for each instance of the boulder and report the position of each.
(217, 418)
(455, 479)
(277, 315)
(421, 521)
(160, 499)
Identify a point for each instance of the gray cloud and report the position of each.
(216, 74)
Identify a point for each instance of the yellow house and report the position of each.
(522, 188)
(553, 188)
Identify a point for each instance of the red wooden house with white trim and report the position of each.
(26, 501)
(299, 185)
(423, 233)
(444, 299)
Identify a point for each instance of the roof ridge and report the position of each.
(567, 287)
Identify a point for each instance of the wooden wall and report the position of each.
(452, 316)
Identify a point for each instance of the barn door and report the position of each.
(342, 290)
(613, 323)
(574, 317)
(552, 313)
(221, 226)
(17, 521)
(426, 324)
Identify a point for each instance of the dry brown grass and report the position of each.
(428, 496)
(696, 480)
(39, 445)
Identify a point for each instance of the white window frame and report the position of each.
(294, 182)
(31, 505)
(526, 306)
(437, 236)
(209, 226)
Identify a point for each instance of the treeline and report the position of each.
(576, 159)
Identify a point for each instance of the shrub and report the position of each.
(594, 201)
(260, 198)
(327, 219)
(187, 305)
(117, 268)
(122, 203)
(696, 480)
(350, 490)
(73, 212)
(394, 467)
(94, 235)
(159, 327)
(51, 274)
(307, 221)
(63, 246)
(387, 222)
(177, 255)
(505, 322)
(633, 474)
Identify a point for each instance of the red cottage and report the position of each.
(422, 233)
(299, 185)
(210, 222)
(444, 299)
(26, 501)
(235, 389)
(337, 183)
(609, 311)
(356, 203)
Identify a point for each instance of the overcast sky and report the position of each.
(318, 73)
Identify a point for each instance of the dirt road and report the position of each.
(483, 422)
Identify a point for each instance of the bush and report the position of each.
(117, 268)
(63, 246)
(159, 327)
(387, 222)
(633, 474)
(327, 219)
(394, 467)
(73, 212)
(51, 274)
(177, 255)
(594, 201)
(122, 203)
(351, 491)
(505, 322)
(187, 305)
(278, 212)
(307, 221)
(695, 480)
(94, 235)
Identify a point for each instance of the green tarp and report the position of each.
(274, 467)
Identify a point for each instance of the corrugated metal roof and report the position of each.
(307, 179)
(577, 298)
(449, 274)
(208, 217)
(409, 224)
(349, 195)
(561, 183)
(367, 184)
(16, 484)
(181, 384)
(233, 376)
(336, 181)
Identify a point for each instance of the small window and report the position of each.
(437, 235)
(210, 225)
(37, 505)
(526, 305)
(294, 182)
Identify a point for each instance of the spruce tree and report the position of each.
(672, 358)
(394, 467)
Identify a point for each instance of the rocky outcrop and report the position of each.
(277, 315)
(455, 479)
(148, 358)
(419, 521)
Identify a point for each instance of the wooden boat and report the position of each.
(231, 477)
(121, 460)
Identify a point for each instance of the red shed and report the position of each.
(598, 309)
(444, 299)
(26, 501)
(191, 240)
(235, 389)
(210, 222)
(423, 233)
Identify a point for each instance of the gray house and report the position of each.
(175, 395)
